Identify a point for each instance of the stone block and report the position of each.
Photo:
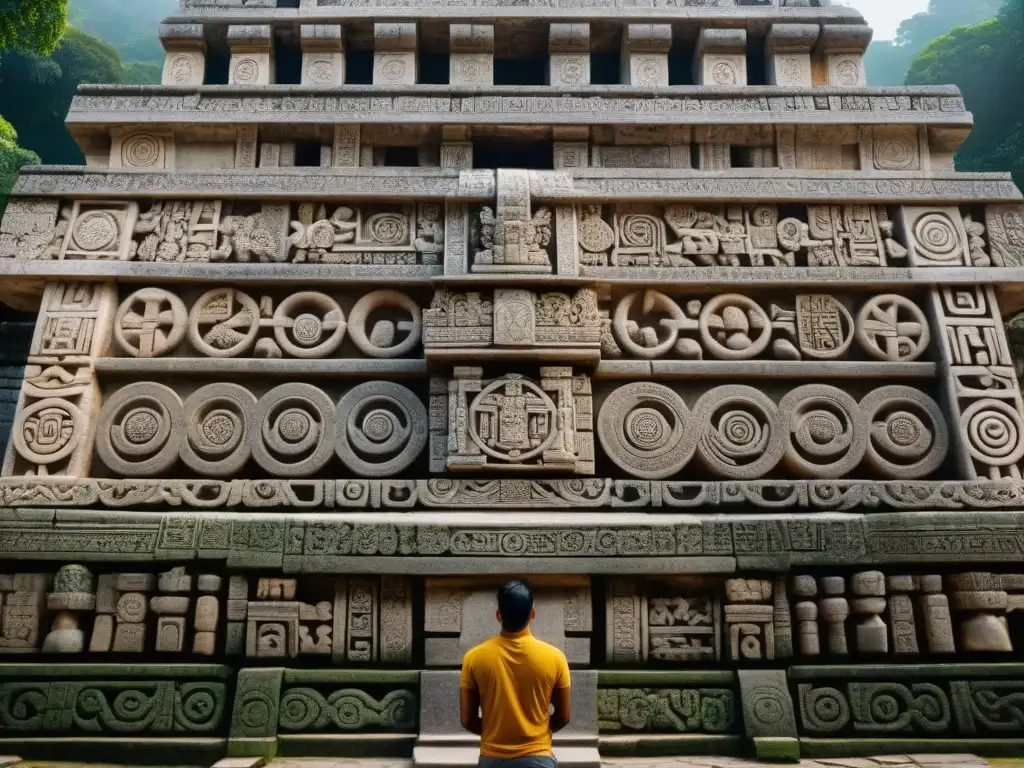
(443, 744)
(255, 714)
(767, 704)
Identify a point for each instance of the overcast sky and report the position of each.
(885, 15)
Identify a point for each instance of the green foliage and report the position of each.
(132, 27)
(888, 60)
(36, 92)
(12, 159)
(986, 61)
(35, 26)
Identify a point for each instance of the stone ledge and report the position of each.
(598, 105)
(580, 186)
(624, 11)
(538, 542)
(32, 497)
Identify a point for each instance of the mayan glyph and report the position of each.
(372, 305)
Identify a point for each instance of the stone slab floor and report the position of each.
(888, 761)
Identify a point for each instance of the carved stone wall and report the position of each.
(372, 306)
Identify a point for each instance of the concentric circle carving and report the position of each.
(309, 325)
(96, 231)
(738, 432)
(642, 428)
(826, 436)
(909, 438)
(994, 433)
(246, 72)
(320, 72)
(893, 328)
(382, 341)
(150, 323)
(393, 69)
(937, 235)
(290, 430)
(141, 150)
(382, 428)
(895, 154)
(734, 327)
(826, 709)
(216, 441)
(524, 390)
(471, 70)
(388, 229)
(223, 323)
(649, 72)
(48, 431)
(571, 72)
(139, 430)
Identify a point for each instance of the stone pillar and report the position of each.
(55, 425)
(252, 54)
(394, 54)
(834, 610)
(569, 54)
(345, 152)
(645, 50)
(868, 604)
(938, 625)
(842, 48)
(902, 624)
(472, 54)
(721, 57)
(323, 54)
(571, 147)
(788, 52)
(981, 602)
(185, 62)
(805, 588)
(72, 594)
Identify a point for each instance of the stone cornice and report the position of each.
(580, 186)
(548, 542)
(325, 275)
(608, 495)
(624, 11)
(518, 105)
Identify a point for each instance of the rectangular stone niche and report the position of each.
(460, 613)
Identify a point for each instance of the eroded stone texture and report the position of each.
(473, 293)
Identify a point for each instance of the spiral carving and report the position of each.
(824, 710)
(738, 431)
(938, 238)
(48, 431)
(142, 150)
(382, 428)
(909, 438)
(347, 710)
(216, 441)
(139, 430)
(994, 432)
(895, 154)
(639, 231)
(642, 428)
(246, 72)
(199, 706)
(291, 428)
(388, 229)
(827, 436)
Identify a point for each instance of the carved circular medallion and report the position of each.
(246, 72)
(894, 154)
(938, 238)
(141, 150)
(734, 327)
(382, 340)
(596, 235)
(649, 71)
(471, 70)
(826, 709)
(642, 428)
(724, 73)
(388, 229)
(216, 443)
(893, 328)
(150, 322)
(662, 319)
(393, 69)
(309, 325)
(909, 438)
(290, 430)
(848, 72)
(182, 69)
(320, 72)
(223, 323)
(382, 428)
(48, 431)
(738, 431)
(509, 406)
(96, 231)
(572, 72)
(994, 433)
(139, 430)
(826, 436)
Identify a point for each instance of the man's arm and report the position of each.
(469, 709)
(561, 698)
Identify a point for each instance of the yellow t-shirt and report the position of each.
(515, 675)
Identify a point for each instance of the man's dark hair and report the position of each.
(515, 601)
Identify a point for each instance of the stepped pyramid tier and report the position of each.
(371, 306)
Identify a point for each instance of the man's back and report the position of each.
(515, 676)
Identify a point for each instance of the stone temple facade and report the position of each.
(374, 304)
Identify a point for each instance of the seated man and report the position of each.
(514, 678)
